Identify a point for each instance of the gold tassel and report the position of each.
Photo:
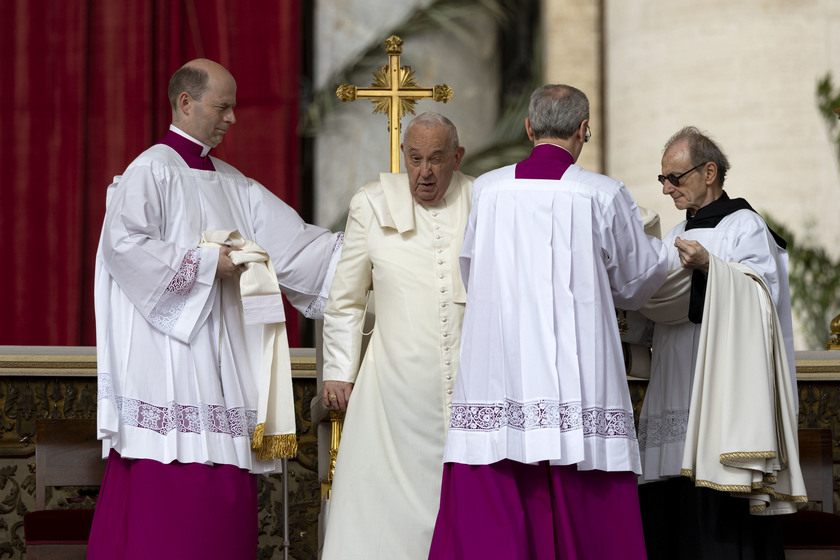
(256, 442)
(283, 446)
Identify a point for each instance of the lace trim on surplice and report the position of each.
(190, 419)
(315, 310)
(542, 414)
(171, 304)
(668, 426)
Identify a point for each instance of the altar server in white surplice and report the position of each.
(179, 362)
(402, 240)
(684, 518)
(541, 456)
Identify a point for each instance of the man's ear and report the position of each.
(185, 102)
(710, 172)
(528, 129)
(582, 130)
(459, 155)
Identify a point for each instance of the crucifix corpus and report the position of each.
(394, 92)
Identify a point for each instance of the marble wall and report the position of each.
(744, 70)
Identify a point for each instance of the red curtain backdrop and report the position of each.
(84, 92)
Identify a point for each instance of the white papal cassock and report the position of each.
(178, 367)
(388, 470)
(541, 344)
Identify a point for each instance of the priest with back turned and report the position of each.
(541, 439)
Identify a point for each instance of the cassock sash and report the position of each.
(262, 303)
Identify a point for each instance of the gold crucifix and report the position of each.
(394, 92)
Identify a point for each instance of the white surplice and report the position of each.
(542, 375)
(387, 481)
(178, 367)
(741, 237)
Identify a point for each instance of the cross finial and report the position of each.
(394, 93)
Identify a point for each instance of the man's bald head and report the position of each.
(194, 78)
(202, 94)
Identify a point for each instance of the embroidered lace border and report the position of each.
(315, 310)
(168, 309)
(542, 414)
(666, 427)
(192, 419)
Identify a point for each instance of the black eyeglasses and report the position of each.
(675, 179)
(588, 134)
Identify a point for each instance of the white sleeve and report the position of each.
(304, 256)
(171, 286)
(636, 263)
(345, 313)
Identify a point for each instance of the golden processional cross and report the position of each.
(394, 93)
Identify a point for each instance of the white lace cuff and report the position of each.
(168, 309)
(315, 310)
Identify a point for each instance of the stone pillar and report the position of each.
(573, 55)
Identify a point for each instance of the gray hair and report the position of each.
(188, 79)
(556, 111)
(701, 149)
(430, 119)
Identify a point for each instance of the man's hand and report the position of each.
(225, 267)
(336, 395)
(692, 255)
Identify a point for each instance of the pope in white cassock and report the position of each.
(179, 365)
(722, 382)
(402, 241)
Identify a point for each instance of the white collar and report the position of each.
(205, 149)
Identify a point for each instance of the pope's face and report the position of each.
(693, 191)
(430, 161)
(212, 115)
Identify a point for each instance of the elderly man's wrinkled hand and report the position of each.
(336, 395)
(693, 255)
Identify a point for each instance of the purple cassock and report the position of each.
(510, 509)
(147, 509)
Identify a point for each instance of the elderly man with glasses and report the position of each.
(709, 327)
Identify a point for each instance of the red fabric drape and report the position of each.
(84, 92)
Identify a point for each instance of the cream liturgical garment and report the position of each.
(262, 303)
(742, 425)
(388, 471)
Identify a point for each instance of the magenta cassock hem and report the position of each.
(148, 509)
(513, 510)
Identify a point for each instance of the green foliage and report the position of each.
(814, 286)
(814, 275)
(827, 100)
